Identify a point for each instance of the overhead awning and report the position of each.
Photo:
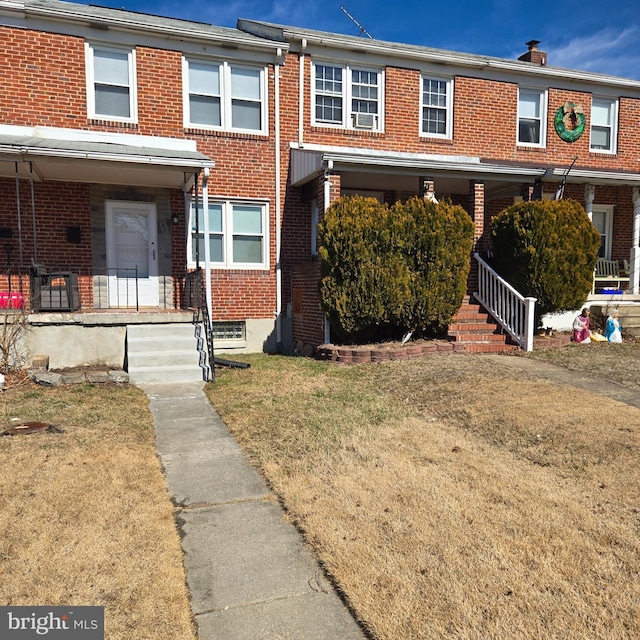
(309, 161)
(141, 161)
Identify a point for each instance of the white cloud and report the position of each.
(610, 51)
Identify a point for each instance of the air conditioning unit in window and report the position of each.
(364, 120)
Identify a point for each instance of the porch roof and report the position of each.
(307, 162)
(107, 162)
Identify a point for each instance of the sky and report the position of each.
(590, 35)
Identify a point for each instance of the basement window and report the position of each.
(229, 330)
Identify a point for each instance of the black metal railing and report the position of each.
(196, 299)
(47, 288)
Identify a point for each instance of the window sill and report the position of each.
(222, 133)
(105, 122)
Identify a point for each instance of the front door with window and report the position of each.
(132, 254)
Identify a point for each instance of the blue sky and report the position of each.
(587, 34)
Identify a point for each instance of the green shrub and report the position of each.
(547, 250)
(386, 270)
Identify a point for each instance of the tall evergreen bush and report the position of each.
(386, 270)
(547, 250)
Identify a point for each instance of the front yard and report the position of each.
(453, 497)
(85, 517)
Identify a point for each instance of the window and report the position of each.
(346, 97)
(603, 121)
(111, 91)
(236, 232)
(531, 117)
(233, 330)
(602, 218)
(436, 101)
(224, 96)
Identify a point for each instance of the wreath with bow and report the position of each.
(570, 121)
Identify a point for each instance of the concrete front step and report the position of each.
(163, 353)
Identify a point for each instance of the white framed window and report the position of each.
(602, 218)
(236, 231)
(225, 96)
(436, 100)
(346, 96)
(604, 116)
(111, 83)
(532, 117)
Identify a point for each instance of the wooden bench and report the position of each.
(607, 271)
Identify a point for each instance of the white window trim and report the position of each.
(225, 96)
(543, 118)
(449, 106)
(348, 119)
(607, 209)
(227, 235)
(614, 126)
(90, 79)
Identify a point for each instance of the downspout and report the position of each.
(278, 197)
(327, 202)
(634, 257)
(303, 48)
(207, 252)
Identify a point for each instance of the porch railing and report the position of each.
(45, 288)
(513, 311)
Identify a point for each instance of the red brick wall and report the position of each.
(308, 319)
(50, 90)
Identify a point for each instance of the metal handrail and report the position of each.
(513, 311)
(197, 300)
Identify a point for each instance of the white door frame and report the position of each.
(124, 291)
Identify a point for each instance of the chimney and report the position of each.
(533, 55)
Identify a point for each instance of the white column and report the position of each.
(589, 197)
(634, 256)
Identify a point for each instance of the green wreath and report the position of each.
(569, 110)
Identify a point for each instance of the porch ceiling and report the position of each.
(97, 162)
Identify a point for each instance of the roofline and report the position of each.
(123, 20)
(286, 33)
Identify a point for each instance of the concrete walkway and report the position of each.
(576, 379)
(248, 572)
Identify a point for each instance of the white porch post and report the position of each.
(634, 261)
(589, 197)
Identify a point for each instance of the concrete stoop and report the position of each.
(159, 353)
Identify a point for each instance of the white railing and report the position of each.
(513, 311)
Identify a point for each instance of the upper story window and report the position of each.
(236, 232)
(111, 87)
(532, 116)
(436, 100)
(345, 96)
(604, 112)
(220, 95)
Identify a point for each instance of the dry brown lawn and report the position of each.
(452, 496)
(85, 515)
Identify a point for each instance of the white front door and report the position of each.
(132, 254)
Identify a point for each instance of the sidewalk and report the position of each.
(249, 575)
(561, 375)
